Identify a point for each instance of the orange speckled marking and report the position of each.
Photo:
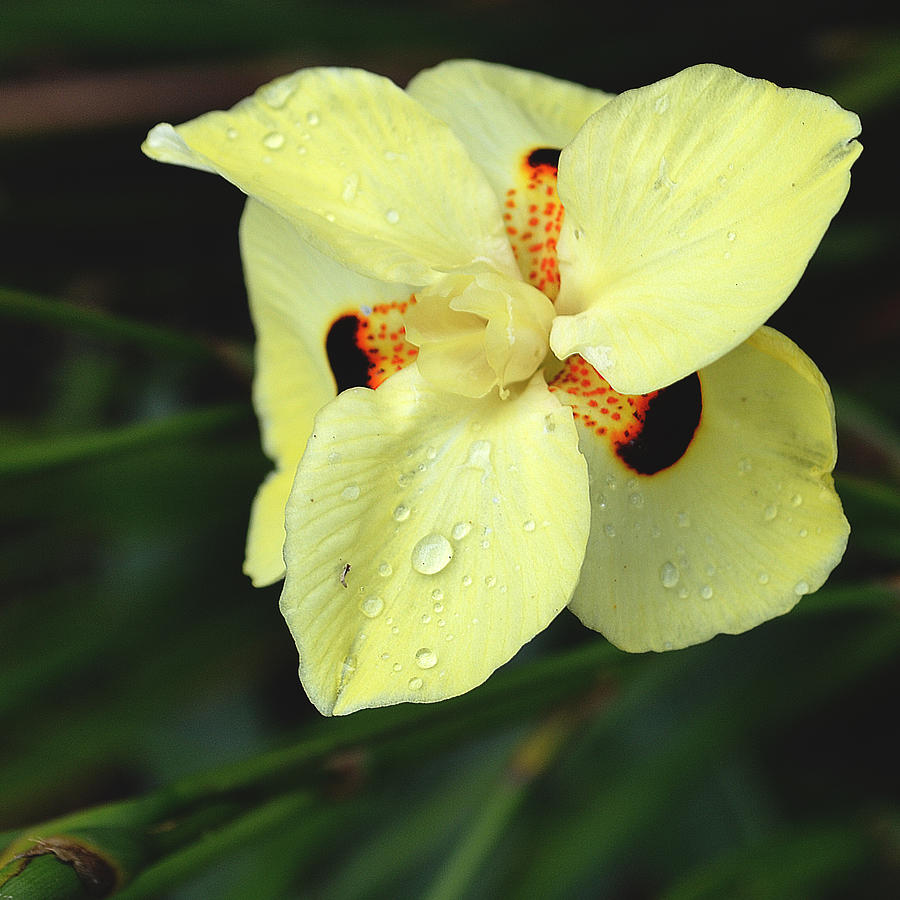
(533, 217)
(647, 432)
(382, 337)
(617, 417)
(367, 346)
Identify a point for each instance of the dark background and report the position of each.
(133, 653)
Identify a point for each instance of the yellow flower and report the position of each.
(559, 296)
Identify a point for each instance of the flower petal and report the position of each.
(429, 537)
(296, 294)
(501, 113)
(692, 207)
(362, 170)
(733, 532)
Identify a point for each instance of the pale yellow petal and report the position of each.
(296, 294)
(358, 167)
(429, 537)
(735, 531)
(692, 208)
(501, 113)
(264, 553)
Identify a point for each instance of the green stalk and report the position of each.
(22, 457)
(27, 307)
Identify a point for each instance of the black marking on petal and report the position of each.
(348, 362)
(668, 427)
(544, 156)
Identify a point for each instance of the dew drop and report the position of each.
(431, 554)
(722, 181)
(529, 525)
(796, 500)
(448, 637)
(401, 513)
(397, 667)
(601, 502)
(415, 684)
(636, 500)
(349, 665)
(274, 140)
(490, 581)
(372, 606)
(668, 574)
(385, 569)
(426, 618)
(329, 217)
(232, 134)
(684, 592)
(312, 117)
(392, 216)
(770, 512)
(744, 465)
(610, 530)
(426, 659)
(439, 607)
(301, 150)
(351, 492)
(578, 234)
(763, 578)
(662, 104)
(351, 186)
(334, 457)
(437, 595)
(480, 455)
(802, 532)
(726, 254)
(395, 629)
(706, 592)
(467, 580)
(801, 588)
(460, 530)
(683, 519)
(731, 235)
(277, 94)
(385, 655)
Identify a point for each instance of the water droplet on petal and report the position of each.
(744, 465)
(668, 574)
(312, 117)
(431, 554)
(385, 569)
(301, 150)
(426, 659)
(796, 500)
(683, 519)
(351, 186)
(274, 140)
(770, 512)
(437, 595)
(610, 530)
(706, 592)
(372, 606)
(392, 216)
(415, 684)
(232, 134)
(490, 581)
(731, 235)
(334, 457)
(467, 580)
(662, 104)
(460, 530)
(529, 525)
(763, 578)
(277, 94)
(351, 492)
(401, 513)
(397, 667)
(801, 588)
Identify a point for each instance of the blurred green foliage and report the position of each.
(137, 665)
